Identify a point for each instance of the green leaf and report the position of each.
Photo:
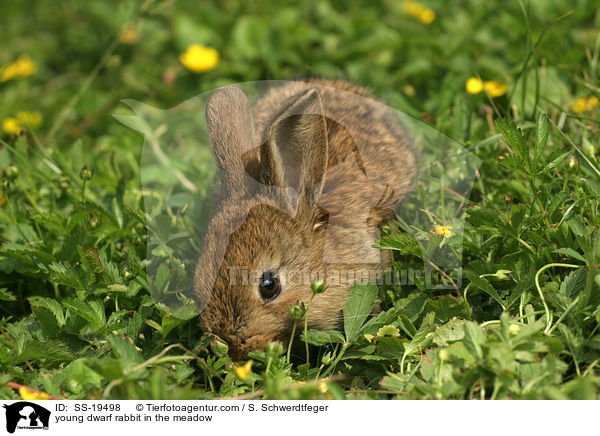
(395, 382)
(388, 330)
(480, 216)
(138, 215)
(391, 347)
(169, 322)
(117, 287)
(124, 350)
(6, 295)
(594, 187)
(474, 339)
(154, 325)
(447, 307)
(48, 323)
(571, 253)
(52, 305)
(573, 283)
(93, 312)
(424, 336)
(65, 274)
(357, 308)
(50, 350)
(554, 160)
(541, 136)
(412, 306)
(577, 226)
(402, 242)
(185, 312)
(556, 201)
(80, 378)
(513, 162)
(325, 337)
(515, 139)
(405, 323)
(381, 319)
(485, 286)
(451, 331)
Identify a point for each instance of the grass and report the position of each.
(78, 312)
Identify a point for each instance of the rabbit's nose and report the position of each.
(240, 346)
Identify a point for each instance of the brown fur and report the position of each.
(303, 129)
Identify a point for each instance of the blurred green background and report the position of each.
(100, 52)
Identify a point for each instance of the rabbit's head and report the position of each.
(264, 242)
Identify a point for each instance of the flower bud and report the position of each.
(93, 222)
(63, 183)
(514, 329)
(128, 274)
(318, 286)
(297, 311)
(572, 161)
(219, 348)
(85, 173)
(326, 359)
(443, 355)
(274, 349)
(12, 171)
(502, 274)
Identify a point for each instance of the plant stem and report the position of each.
(537, 285)
(337, 359)
(289, 350)
(567, 310)
(306, 326)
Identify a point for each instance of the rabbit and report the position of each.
(308, 174)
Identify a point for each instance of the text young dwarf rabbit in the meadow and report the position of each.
(323, 193)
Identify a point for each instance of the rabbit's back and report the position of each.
(370, 158)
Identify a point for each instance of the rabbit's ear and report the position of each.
(230, 127)
(295, 155)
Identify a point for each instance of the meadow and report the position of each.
(513, 82)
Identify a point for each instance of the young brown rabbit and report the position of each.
(307, 176)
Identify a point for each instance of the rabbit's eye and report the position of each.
(269, 285)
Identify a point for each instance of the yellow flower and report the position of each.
(474, 85)
(16, 125)
(129, 35)
(585, 104)
(11, 126)
(418, 11)
(198, 58)
(495, 89)
(22, 67)
(444, 231)
(323, 388)
(408, 90)
(31, 395)
(243, 371)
